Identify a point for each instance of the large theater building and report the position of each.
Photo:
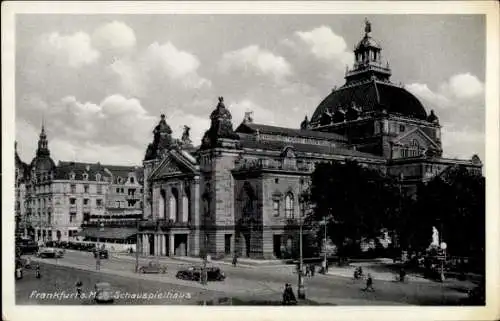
(240, 190)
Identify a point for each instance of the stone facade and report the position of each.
(54, 202)
(247, 184)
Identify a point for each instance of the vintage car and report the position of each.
(103, 293)
(153, 267)
(103, 254)
(26, 246)
(24, 262)
(50, 252)
(193, 273)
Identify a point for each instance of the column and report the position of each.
(157, 250)
(163, 245)
(144, 244)
(171, 247)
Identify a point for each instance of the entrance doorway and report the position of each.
(151, 245)
(180, 241)
(227, 243)
(277, 245)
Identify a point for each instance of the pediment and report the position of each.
(173, 165)
(415, 136)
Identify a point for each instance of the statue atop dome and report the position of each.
(368, 26)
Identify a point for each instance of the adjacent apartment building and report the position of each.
(76, 201)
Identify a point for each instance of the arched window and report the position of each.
(162, 205)
(289, 205)
(186, 206)
(174, 208)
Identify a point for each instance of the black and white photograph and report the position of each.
(228, 159)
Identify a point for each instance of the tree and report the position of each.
(454, 203)
(357, 202)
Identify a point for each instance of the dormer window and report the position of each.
(85, 176)
(72, 176)
(131, 180)
(98, 177)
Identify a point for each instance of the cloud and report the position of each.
(459, 103)
(74, 50)
(254, 59)
(259, 114)
(157, 68)
(422, 91)
(324, 44)
(114, 35)
(464, 86)
(173, 63)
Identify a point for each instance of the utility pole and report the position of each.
(326, 259)
(301, 293)
(157, 238)
(137, 245)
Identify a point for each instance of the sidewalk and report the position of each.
(348, 272)
(238, 288)
(246, 263)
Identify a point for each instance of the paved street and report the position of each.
(246, 283)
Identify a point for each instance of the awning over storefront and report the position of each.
(115, 233)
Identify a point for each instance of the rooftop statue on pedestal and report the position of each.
(162, 140)
(221, 127)
(305, 123)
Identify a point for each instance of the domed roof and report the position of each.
(368, 41)
(372, 96)
(42, 163)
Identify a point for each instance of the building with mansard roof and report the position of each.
(67, 201)
(240, 191)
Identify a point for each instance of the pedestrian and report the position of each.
(79, 289)
(369, 283)
(288, 295)
(235, 260)
(308, 270)
(37, 271)
(98, 263)
(19, 273)
(313, 269)
(402, 275)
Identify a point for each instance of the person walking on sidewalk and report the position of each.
(369, 283)
(37, 271)
(235, 260)
(79, 289)
(288, 295)
(313, 269)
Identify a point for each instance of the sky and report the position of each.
(100, 82)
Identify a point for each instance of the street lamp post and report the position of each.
(98, 250)
(137, 245)
(301, 292)
(157, 239)
(443, 247)
(326, 259)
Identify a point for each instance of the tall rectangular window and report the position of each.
(85, 188)
(276, 207)
(99, 189)
(73, 188)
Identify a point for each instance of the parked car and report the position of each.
(103, 293)
(103, 254)
(50, 252)
(26, 246)
(153, 267)
(23, 262)
(193, 273)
